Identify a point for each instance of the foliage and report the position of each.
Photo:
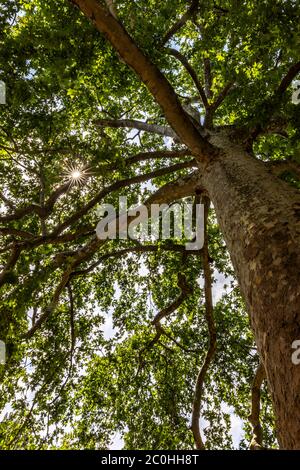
(71, 384)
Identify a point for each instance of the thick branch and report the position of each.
(277, 168)
(134, 124)
(151, 76)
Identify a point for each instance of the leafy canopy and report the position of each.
(75, 382)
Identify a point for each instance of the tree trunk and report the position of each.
(259, 216)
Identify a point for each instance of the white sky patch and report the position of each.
(117, 443)
(219, 287)
(236, 425)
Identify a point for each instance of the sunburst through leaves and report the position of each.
(76, 175)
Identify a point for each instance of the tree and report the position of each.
(206, 87)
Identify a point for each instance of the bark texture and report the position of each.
(259, 216)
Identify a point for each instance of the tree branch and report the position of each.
(181, 22)
(272, 103)
(256, 442)
(111, 7)
(185, 292)
(288, 78)
(72, 323)
(207, 77)
(134, 124)
(15, 253)
(175, 53)
(279, 167)
(144, 156)
(216, 103)
(134, 249)
(150, 75)
(165, 312)
(15, 232)
(35, 208)
(195, 426)
(6, 201)
(222, 95)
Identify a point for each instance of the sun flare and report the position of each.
(76, 174)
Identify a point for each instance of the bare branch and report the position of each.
(134, 124)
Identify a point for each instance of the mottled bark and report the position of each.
(260, 219)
